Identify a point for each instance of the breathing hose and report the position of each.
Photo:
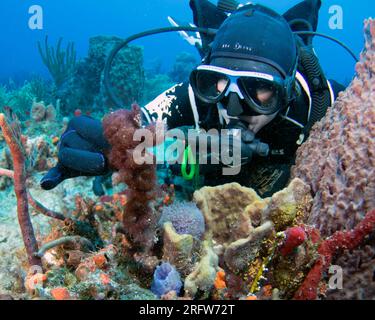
(118, 47)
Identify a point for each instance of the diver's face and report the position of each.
(255, 123)
(234, 105)
(262, 94)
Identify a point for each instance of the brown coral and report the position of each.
(139, 220)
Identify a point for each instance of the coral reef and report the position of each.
(141, 241)
(19, 100)
(181, 69)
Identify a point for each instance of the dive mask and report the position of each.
(263, 93)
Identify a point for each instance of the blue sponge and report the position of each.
(166, 278)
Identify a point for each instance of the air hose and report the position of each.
(208, 31)
(320, 93)
(112, 96)
(309, 66)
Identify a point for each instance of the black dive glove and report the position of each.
(81, 152)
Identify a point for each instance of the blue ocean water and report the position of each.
(78, 20)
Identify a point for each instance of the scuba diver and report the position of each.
(259, 74)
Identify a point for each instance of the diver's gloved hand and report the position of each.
(81, 152)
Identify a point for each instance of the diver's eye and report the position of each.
(221, 85)
(264, 95)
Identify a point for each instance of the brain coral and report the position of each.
(338, 159)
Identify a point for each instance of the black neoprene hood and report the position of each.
(257, 33)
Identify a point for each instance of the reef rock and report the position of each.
(338, 159)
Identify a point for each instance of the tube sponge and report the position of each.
(185, 217)
(166, 279)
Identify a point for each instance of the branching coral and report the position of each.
(13, 139)
(60, 62)
(139, 218)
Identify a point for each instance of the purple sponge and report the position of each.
(166, 279)
(185, 217)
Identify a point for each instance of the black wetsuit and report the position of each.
(176, 107)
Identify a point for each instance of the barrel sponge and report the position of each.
(338, 159)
